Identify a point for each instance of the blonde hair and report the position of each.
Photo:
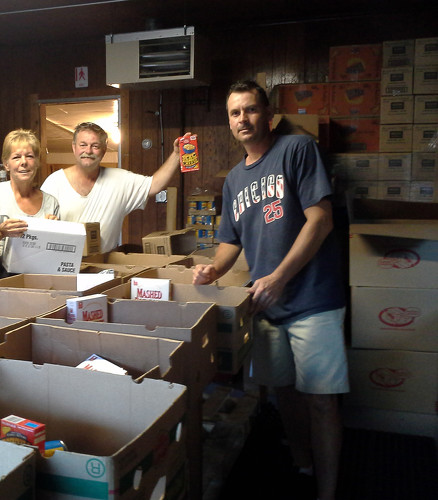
(20, 136)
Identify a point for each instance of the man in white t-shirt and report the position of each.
(88, 192)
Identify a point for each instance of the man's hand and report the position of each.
(264, 293)
(204, 274)
(13, 228)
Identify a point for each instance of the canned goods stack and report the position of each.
(204, 216)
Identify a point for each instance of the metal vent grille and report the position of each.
(165, 57)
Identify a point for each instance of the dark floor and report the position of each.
(374, 466)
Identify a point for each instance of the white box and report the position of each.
(425, 137)
(394, 318)
(150, 289)
(423, 191)
(393, 190)
(17, 471)
(398, 53)
(112, 426)
(393, 380)
(424, 166)
(363, 189)
(395, 166)
(47, 247)
(426, 109)
(88, 308)
(397, 253)
(426, 79)
(396, 138)
(426, 51)
(396, 109)
(397, 81)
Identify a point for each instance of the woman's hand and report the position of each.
(13, 228)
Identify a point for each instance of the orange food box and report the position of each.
(23, 431)
(355, 99)
(188, 153)
(355, 62)
(304, 98)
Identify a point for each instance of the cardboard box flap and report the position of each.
(418, 229)
(22, 304)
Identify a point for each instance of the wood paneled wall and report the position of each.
(286, 53)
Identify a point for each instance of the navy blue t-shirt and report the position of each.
(262, 210)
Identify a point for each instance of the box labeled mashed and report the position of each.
(89, 308)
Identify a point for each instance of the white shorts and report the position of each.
(308, 353)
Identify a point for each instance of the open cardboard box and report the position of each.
(183, 274)
(178, 242)
(234, 323)
(136, 259)
(140, 357)
(123, 271)
(60, 285)
(17, 471)
(193, 323)
(125, 439)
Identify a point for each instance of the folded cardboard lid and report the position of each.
(399, 228)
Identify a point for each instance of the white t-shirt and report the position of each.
(9, 207)
(115, 194)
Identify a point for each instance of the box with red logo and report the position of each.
(396, 253)
(23, 431)
(355, 99)
(394, 318)
(354, 135)
(150, 289)
(355, 62)
(393, 380)
(304, 98)
(188, 153)
(89, 308)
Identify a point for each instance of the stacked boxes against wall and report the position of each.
(204, 216)
(393, 359)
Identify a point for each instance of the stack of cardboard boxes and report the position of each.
(382, 105)
(393, 359)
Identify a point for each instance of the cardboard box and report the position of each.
(426, 51)
(393, 380)
(397, 81)
(396, 109)
(423, 191)
(395, 166)
(393, 190)
(394, 318)
(136, 259)
(398, 53)
(355, 99)
(55, 284)
(426, 79)
(354, 135)
(355, 62)
(360, 167)
(26, 305)
(182, 274)
(58, 343)
(92, 238)
(396, 138)
(363, 189)
(108, 437)
(425, 137)
(122, 271)
(297, 124)
(424, 166)
(426, 109)
(193, 323)
(397, 253)
(234, 323)
(179, 242)
(47, 247)
(304, 98)
(17, 471)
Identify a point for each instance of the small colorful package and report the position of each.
(88, 308)
(23, 431)
(150, 289)
(188, 153)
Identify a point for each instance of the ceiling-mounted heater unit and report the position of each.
(160, 58)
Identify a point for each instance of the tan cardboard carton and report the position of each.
(112, 426)
(396, 138)
(395, 166)
(398, 53)
(17, 471)
(426, 79)
(397, 81)
(396, 109)
(395, 253)
(25, 305)
(426, 109)
(394, 318)
(178, 242)
(426, 51)
(136, 259)
(425, 137)
(393, 380)
(60, 345)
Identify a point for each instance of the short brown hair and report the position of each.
(93, 127)
(247, 86)
(20, 136)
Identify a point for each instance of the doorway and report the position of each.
(58, 120)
